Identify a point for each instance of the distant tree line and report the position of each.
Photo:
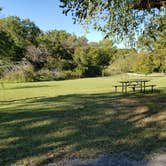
(29, 54)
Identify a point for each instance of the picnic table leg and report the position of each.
(134, 89)
(141, 86)
(152, 88)
(125, 87)
(115, 88)
(144, 87)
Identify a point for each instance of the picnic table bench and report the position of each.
(138, 83)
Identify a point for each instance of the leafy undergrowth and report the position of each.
(49, 129)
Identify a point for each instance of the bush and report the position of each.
(72, 74)
(20, 74)
(47, 75)
(109, 72)
(93, 71)
(44, 75)
(29, 73)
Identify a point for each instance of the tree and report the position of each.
(94, 59)
(8, 49)
(153, 40)
(123, 61)
(81, 59)
(57, 42)
(106, 51)
(61, 47)
(144, 63)
(118, 18)
(154, 32)
(148, 4)
(23, 32)
(36, 56)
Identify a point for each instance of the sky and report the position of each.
(47, 15)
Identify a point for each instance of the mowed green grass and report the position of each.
(45, 122)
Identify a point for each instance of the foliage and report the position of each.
(16, 35)
(122, 61)
(23, 31)
(144, 63)
(93, 60)
(159, 60)
(57, 54)
(58, 42)
(52, 63)
(8, 49)
(154, 33)
(118, 18)
(44, 75)
(23, 73)
(77, 73)
(36, 56)
(153, 40)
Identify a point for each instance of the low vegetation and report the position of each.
(46, 122)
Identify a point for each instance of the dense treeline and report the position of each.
(29, 54)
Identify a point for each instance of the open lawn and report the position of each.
(46, 122)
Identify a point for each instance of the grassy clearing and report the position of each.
(46, 122)
(14, 91)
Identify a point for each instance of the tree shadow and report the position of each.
(27, 87)
(18, 100)
(48, 130)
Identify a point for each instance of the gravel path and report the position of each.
(106, 160)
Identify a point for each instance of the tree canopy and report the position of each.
(117, 18)
(23, 31)
(154, 34)
(29, 54)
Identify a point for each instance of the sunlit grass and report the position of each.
(49, 121)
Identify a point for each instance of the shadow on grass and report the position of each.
(27, 87)
(18, 100)
(48, 130)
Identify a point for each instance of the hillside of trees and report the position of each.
(29, 54)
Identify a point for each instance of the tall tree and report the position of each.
(8, 49)
(153, 40)
(57, 42)
(24, 32)
(154, 32)
(119, 18)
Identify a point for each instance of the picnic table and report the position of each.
(135, 83)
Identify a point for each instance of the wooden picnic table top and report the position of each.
(134, 80)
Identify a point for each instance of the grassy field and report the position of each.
(49, 121)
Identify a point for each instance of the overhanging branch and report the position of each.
(148, 4)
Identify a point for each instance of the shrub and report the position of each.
(44, 75)
(69, 74)
(20, 74)
(47, 75)
(77, 73)
(29, 73)
(15, 76)
(93, 71)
